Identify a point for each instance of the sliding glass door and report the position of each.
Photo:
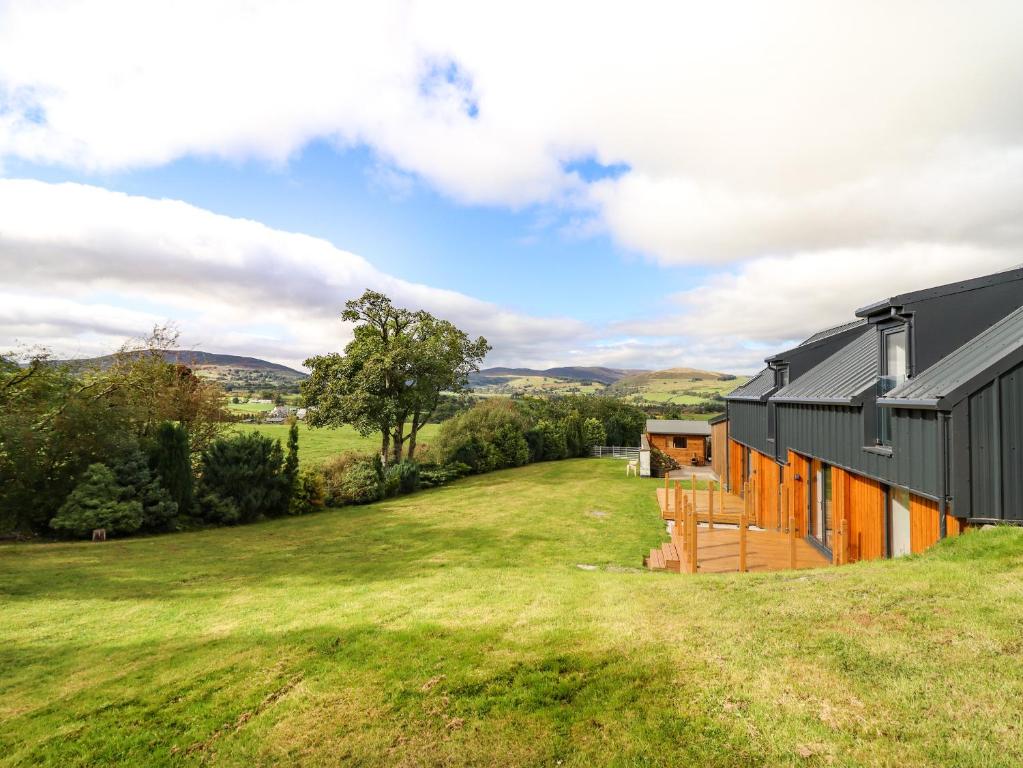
(821, 517)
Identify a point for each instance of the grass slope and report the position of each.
(453, 627)
(315, 445)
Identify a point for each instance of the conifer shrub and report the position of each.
(242, 479)
(98, 502)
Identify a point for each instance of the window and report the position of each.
(894, 371)
(821, 522)
(678, 441)
(772, 421)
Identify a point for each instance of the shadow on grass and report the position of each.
(427, 687)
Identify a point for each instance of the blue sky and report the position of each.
(576, 183)
(533, 260)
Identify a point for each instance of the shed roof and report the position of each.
(966, 369)
(677, 427)
(755, 388)
(839, 379)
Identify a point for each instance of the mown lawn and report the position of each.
(455, 627)
(315, 445)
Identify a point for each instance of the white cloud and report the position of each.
(748, 128)
(802, 149)
(234, 285)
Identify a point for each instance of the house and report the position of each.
(278, 414)
(898, 428)
(687, 442)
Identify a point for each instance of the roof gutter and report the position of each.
(907, 402)
(815, 400)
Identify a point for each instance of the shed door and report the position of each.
(899, 541)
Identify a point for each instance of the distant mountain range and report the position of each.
(598, 374)
(230, 370)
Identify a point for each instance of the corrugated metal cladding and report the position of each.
(845, 374)
(755, 388)
(747, 423)
(996, 443)
(835, 434)
(973, 358)
(834, 331)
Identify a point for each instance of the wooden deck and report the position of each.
(717, 551)
(723, 544)
(727, 506)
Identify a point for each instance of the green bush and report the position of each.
(361, 484)
(171, 462)
(242, 479)
(401, 478)
(432, 475)
(594, 433)
(98, 502)
(137, 483)
(306, 493)
(352, 478)
(661, 463)
(552, 438)
(510, 446)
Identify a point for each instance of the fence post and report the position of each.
(710, 505)
(692, 491)
(792, 541)
(678, 515)
(693, 548)
(742, 542)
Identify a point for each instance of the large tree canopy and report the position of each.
(390, 377)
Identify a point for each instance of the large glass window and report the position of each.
(894, 371)
(821, 522)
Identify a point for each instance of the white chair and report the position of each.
(632, 468)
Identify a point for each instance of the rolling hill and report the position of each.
(682, 387)
(232, 371)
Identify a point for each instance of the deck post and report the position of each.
(693, 550)
(742, 542)
(692, 491)
(678, 514)
(710, 505)
(684, 506)
(792, 541)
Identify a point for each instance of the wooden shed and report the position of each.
(685, 441)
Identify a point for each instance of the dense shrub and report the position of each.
(490, 435)
(352, 478)
(510, 447)
(242, 479)
(432, 475)
(290, 469)
(594, 433)
(401, 478)
(361, 484)
(552, 438)
(139, 484)
(98, 502)
(172, 464)
(306, 492)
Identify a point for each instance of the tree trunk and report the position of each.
(385, 444)
(398, 443)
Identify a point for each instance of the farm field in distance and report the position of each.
(676, 386)
(315, 445)
(441, 629)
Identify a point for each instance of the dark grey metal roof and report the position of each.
(839, 379)
(755, 388)
(677, 427)
(834, 331)
(964, 370)
(1006, 275)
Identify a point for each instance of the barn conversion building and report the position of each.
(902, 426)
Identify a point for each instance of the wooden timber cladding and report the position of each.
(719, 447)
(689, 447)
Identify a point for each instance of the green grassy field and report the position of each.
(456, 627)
(315, 445)
(250, 408)
(537, 386)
